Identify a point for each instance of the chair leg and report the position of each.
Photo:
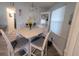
(46, 49)
(30, 50)
(33, 50)
(42, 52)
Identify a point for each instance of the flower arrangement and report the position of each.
(30, 22)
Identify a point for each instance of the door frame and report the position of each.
(74, 30)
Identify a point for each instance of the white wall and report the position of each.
(3, 19)
(3, 13)
(26, 13)
(60, 43)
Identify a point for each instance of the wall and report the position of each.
(22, 19)
(60, 40)
(3, 15)
(25, 14)
(3, 19)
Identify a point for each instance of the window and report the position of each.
(57, 19)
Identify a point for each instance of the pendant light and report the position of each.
(12, 7)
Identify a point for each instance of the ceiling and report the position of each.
(37, 4)
(44, 4)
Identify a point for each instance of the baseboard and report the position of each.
(58, 50)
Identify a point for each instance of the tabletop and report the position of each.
(27, 33)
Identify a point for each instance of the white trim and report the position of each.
(58, 50)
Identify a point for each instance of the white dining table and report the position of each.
(29, 33)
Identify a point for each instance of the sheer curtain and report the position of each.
(57, 19)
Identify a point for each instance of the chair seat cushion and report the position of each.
(37, 37)
(21, 52)
(21, 42)
(38, 42)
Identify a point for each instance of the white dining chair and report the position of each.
(39, 44)
(11, 51)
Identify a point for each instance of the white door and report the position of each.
(72, 47)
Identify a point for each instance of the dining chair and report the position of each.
(18, 51)
(39, 44)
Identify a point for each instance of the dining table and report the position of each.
(29, 33)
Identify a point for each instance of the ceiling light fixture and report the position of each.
(12, 6)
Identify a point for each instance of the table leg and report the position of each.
(29, 47)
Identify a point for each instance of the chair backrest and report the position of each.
(9, 46)
(46, 39)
